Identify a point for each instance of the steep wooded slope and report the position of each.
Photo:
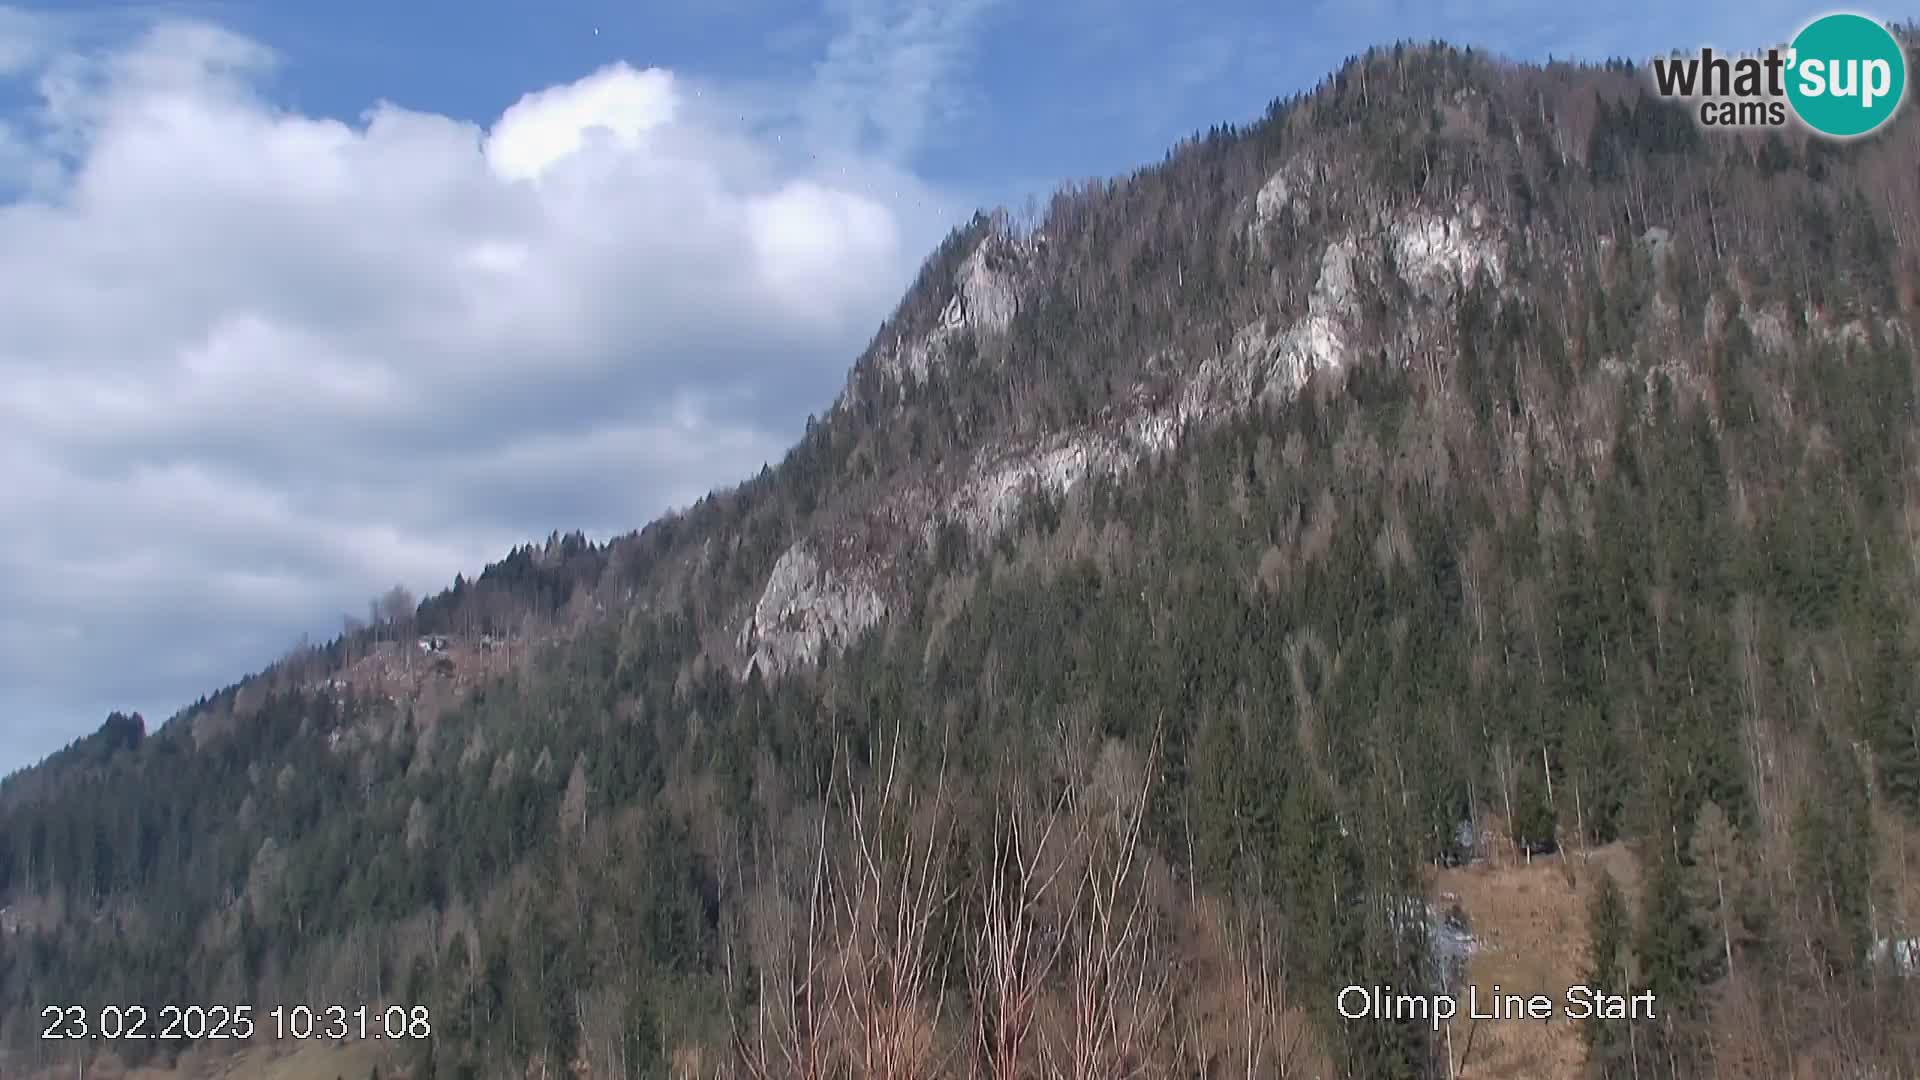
(1462, 444)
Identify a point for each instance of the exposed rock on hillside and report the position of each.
(1774, 327)
(1769, 326)
(807, 609)
(1285, 193)
(993, 497)
(1435, 254)
(985, 297)
(984, 300)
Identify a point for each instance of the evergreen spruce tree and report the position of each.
(1608, 969)
(1717, 884)
(1672, 955)
(1834, 854)
(1534, 823)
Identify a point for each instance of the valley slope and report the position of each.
(1467, 468)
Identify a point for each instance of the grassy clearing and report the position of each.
(1531, 924)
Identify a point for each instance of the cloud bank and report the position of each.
(256, 365)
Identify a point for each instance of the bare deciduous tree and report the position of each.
(1117, 985)
(1015, 954)
(896, 889)
(848, 979)
(1268, 1044)
(787, 1036)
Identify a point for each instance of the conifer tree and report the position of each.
(1608, 969)
(1534, 822)
(1672, 954)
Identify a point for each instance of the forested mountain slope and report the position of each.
(1466, 460)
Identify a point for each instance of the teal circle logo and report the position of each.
(1846, 75)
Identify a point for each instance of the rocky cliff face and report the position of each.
(985, 297)
(810, 606)
(1345, 239)
(807, 610)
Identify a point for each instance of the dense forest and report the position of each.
(1616, 553)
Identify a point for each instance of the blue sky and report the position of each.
(298, 301)
(1022, 94)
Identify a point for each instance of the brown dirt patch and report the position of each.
(1530, 923)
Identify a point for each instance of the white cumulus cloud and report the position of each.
(255, 364)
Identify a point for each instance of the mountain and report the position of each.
(1461, 528)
